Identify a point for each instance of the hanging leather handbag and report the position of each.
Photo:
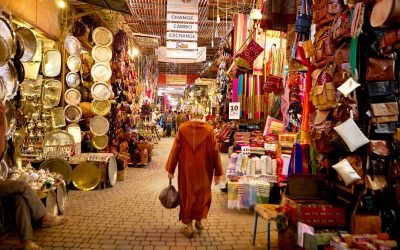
(274, 84)
(321, 130)
(376, 89)
(356, 162)
(390, 41)
(380, 147)
(347, 107)
(385, 112)
(304, 17)
(324, 11)
(342, 62)
(323, 91)
(341, 26)
(380, 69)
(324, 47)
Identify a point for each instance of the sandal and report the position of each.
(199, 226)
(188, 233)
(58, 220)
(32, 246)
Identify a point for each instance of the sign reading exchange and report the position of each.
(182, 36)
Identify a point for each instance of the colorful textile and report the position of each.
(239, 162)
(263, 191)
(240, 93)
(235, 88)
(258, 165)
(245, 161)
(263, 163)
(252, 192)
(241, 22)
(233, 196)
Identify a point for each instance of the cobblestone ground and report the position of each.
(130, 216)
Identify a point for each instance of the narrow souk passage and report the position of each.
(130, 216)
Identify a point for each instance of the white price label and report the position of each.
(246, 150)
(234, 110)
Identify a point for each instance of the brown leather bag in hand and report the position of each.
(169, 197)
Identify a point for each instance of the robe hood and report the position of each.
(195, 133)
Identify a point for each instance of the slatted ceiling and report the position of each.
(149, 17)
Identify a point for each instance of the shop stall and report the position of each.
(323, 90)
(76, 97)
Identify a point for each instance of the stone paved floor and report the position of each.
(130, 216)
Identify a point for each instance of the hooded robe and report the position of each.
(196, 153)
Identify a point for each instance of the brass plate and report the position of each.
(86, 176)
(101, 107)
(100, 142)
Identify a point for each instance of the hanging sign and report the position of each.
(187, 18)
(183, 6)
(234, 110)
(191, 27)
(182, 36)
(176, 79)
(181, 53)
(181, 45)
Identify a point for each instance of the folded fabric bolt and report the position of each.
(239, 162)
(258, 165)
(274, 167)
(248, 167)
(263, 163)
(233, 199)
(269, 165)
(253, 166)
(253, 192)
(244, 164)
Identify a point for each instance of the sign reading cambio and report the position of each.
(191, 27)
(182, 6)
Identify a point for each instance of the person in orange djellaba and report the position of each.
(195, 151)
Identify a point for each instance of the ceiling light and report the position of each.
(135, 52)
(61, 4)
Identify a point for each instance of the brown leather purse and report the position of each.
(380, 147)
(342, 61)
(321, 131)
(380, 69)
(324, 47)
(356, 162)
(324, 11)
(390, 41)
(341, 26)
(323, 91)
(385, 112)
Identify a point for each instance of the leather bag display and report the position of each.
(324, 11)
(169, 197)
(380, 69)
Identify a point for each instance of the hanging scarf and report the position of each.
(235, 90)
(233, 197)
(240, 94)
